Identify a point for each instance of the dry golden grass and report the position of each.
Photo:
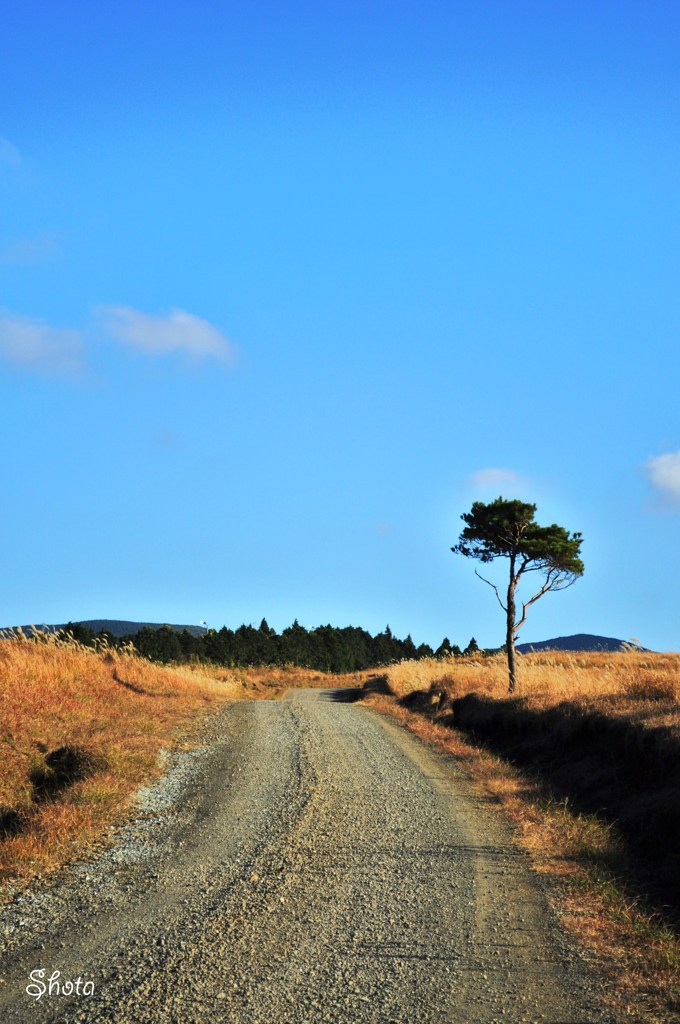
(272, 682)
(632, 683)
(116, 709)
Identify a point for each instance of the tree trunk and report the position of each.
(512, 678)
(510, 631)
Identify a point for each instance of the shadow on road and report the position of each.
(344, 695)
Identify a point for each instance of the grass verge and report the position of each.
(80, 732)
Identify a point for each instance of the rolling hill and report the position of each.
(579, 642)
(116, 627)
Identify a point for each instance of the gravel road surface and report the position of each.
(310, 863)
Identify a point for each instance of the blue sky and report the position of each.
(285, 287)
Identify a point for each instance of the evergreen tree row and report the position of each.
(325, 648)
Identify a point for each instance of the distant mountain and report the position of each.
(116, 627)
(579, 642)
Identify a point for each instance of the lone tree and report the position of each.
(506, 529)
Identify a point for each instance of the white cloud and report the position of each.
(176, 331)
(9, 154)
(37, 346)
(496, 479)
(663, 472)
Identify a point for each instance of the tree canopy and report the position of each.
(507, 529)
(323, 648)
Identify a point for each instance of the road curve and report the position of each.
(311, 863)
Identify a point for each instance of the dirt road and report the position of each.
(311, 863)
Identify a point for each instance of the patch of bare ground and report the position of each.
(584, 854)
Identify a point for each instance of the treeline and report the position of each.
(325, 648)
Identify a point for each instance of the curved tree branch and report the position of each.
(493, 586)
(553, 582)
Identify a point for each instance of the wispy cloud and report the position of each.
(37, 346)
(25, 251)
(663, 472)
(176, 331)
(496, 480)
(9, 154)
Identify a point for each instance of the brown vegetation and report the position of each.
(548, 677)
(80, 730)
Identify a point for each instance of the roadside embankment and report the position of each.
(585, 763)
(80, 731)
